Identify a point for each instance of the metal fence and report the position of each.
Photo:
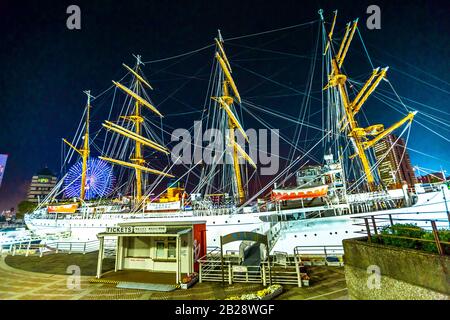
(375, 227)
(276, 271)
(28, 248)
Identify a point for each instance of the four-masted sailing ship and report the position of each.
(321, 201)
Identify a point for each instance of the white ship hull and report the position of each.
(303, 232)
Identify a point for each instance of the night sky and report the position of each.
(44, 67)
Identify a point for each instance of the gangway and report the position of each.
(234, 270)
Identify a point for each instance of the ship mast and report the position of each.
(85, 150)
(359, 136)
(137, 119)
(137, 161)
(230, 94)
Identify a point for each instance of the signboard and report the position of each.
(119, 229)
(150, 229)
(239, 269)
(3, 158)
(137, 229)
(241, 236)
(163, 206)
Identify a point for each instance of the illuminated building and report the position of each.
(394, 163)
(41, 185)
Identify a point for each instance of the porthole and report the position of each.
(226, 221)
(239, 221)
(305, 235)
(315, 234)
(346, 231)
(295, 236)
(331, 232)
(214, 223)
(335, 233)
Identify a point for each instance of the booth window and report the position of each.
(138, 247)
(172, 250)
(160, 252)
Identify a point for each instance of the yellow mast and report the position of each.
(225, 101)
(84, 151)
(137, 161)
(337, 79)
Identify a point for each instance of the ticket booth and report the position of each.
(169, 247)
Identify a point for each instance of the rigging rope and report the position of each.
(271, 31)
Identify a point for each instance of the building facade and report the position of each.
(41, 185)
(394, 166)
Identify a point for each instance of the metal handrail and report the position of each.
(331, 250)
(372, 229)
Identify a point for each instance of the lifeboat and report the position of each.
(63, 208)
(300, 193)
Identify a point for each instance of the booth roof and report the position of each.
(168, 224)
(171, 231)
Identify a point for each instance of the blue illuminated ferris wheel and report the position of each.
(100, 180)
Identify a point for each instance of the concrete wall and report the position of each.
(405, 273)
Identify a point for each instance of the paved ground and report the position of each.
(326, 283)
(58, 263)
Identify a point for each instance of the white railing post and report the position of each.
(297, 269)
(199, 271)
(28, 248)
(230, 273)
(84, 248)
(264, 274)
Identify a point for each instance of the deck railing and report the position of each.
(27, 248)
